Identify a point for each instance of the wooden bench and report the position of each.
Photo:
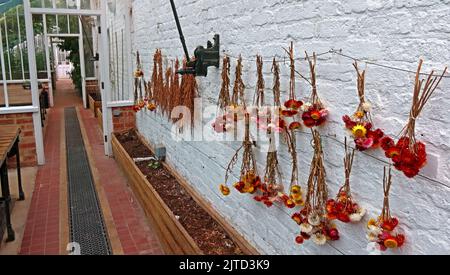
(9, 147)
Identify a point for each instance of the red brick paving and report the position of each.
(42, 228)
(134, 233)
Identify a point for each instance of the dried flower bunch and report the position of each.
(272, 188)
(360, 123)
(260, 83)
(157, 81)
(292, 105)
(409, 155)
(188, 93)
(344, 208)
(249, 181)
(238, 106)
(139, 85)
(220, 125)
(174, 93)
(295, 190)
(314, 112)
(313, 219)
(382, 231)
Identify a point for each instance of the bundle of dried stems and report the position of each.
(314, 98)
(361, 83)
(248, 165)
(317, 193)
(238, 96)
(224, 95)
(422, 93)
(260, 84)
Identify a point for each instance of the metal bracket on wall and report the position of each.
(204, 58)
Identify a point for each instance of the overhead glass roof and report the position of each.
(6, 5)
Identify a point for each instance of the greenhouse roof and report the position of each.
(6, 5)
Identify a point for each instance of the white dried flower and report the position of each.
(314, 219)
(356, 217)
(306, 228)
(372, 237)
(305, 107)
(373, 229)
(319, 239)
(367, 107)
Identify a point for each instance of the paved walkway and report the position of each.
(47, 228)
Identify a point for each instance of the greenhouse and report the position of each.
(233, 128)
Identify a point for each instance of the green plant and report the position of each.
(70, 44)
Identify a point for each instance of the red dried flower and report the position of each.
(387, 143)
(295, 126)
(299, 239)
(293, 104)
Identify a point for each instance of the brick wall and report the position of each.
(394, 32)
(27, 140)
(124, 120)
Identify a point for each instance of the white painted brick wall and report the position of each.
(394, 32)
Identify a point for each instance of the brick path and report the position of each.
(42, 231)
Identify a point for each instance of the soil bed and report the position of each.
(210, 237)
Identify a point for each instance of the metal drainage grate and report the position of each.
(86, 221)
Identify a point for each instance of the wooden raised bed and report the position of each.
(174, 238)
(99, 117)
(94, 103)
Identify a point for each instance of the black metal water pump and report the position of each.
(204, 57)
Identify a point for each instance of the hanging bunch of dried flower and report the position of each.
(158, 80)
(272, 122)
(292, 105)
(220, 125)
(272, 188)
(312, 218)
(151, 106)
(409, 155)
(260, 84)
(188, 93)
(139, 85)
(238, 106)
(165, 106)
(314, 112)
(360, 123)
(344, 208)
(249, 181)
(382, 231)
(174, 100)
(296, 192)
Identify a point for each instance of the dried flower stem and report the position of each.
(276, 84)
(317, 193)
(292, 146)
(348, 164)
(224, 96)
(238, 96)
(312, 67)
(260, 85)
(361, 82)
(387, 182)
(422, 93)
(248, 157)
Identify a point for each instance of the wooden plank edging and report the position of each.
(174, 237)
(238, 238)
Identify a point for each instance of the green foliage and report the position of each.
(70, 44)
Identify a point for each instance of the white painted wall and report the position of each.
(393, 32)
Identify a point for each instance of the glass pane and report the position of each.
(74, 25)
(86, 4)
(36, 4)
(19, 94)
